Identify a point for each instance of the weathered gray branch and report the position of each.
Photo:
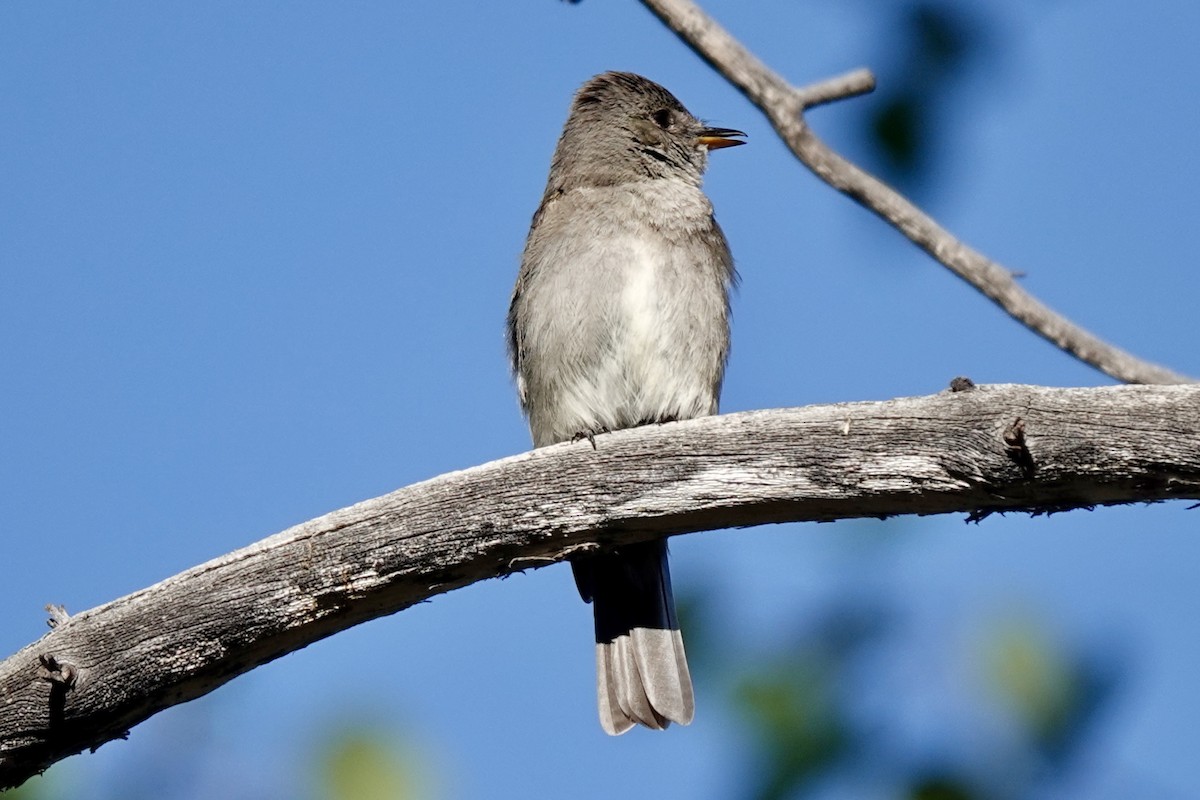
(784, 105)
(980, 450)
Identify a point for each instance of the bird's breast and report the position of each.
(627, 317)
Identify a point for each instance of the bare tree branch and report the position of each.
(784, 105)
(976, 450)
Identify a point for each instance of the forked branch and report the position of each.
(784, 105)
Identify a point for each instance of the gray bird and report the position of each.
(620, 318)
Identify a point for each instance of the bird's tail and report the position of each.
(641, 670)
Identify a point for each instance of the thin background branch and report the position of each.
(784, 106)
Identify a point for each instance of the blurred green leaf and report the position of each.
(32, 789)
(1052, 692)
(1033, 676)
(935, 42)
(941, 787)
(366, 764)
(793, 712)
(898, 132)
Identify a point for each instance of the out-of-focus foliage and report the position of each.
(368, 764)
(1052, 695)
(936, 43)
(795, 720)
(39, 788)
(807, 734)
(791, 700)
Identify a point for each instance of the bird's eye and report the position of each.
(662, 118)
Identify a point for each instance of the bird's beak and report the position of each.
(716, 138)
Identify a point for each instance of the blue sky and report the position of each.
(254, 264)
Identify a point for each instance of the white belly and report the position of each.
(657, 379)
(656, 366)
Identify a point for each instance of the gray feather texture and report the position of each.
(620, 317)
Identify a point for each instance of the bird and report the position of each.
(620, 317)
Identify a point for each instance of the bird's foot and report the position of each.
(589, 435)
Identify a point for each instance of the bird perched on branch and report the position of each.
(620, 318)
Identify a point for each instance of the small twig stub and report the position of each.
(60, 673)
(58, 615)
